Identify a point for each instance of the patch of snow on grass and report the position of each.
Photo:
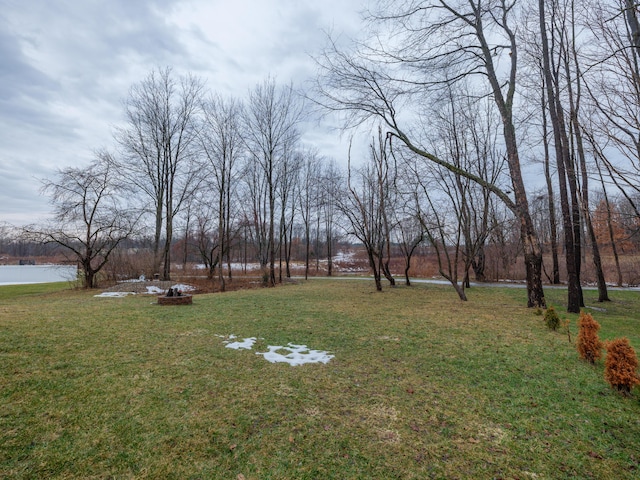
(152, 290)
(246, 344)
(298, 355)
(114, 294)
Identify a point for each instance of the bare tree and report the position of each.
(330, 180)
(612, 79)
(554, 278)
(90, 219)
(206, 231)
(408, 235)
(567, 178)
(287, 190)
(414, 43)
(270, 122)
(220, 138)
(309, 197)
(443, 224)
(609, 223)
(364, 202)
(160, 147)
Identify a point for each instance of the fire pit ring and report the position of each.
(175, 297)
(181, 300)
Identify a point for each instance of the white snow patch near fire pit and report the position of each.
(114, 294)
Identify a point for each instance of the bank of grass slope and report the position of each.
(421, 386)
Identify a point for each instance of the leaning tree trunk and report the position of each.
(504, 102)
(530, 242)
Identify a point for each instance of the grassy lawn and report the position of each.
(421, 386)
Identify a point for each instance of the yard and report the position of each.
(420, 385)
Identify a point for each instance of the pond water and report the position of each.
(21, 274)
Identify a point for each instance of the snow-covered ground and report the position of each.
(151, 290)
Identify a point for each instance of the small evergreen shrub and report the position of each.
(551, 319)
(621, 365)
(589, 345)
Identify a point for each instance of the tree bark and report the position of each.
(572, 251)
(553, 225)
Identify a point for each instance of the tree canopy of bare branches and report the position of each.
(415, 48)
(159, 145)
(90, 219)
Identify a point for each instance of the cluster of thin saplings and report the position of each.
(621, 363)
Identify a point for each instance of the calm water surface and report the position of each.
(20, 274)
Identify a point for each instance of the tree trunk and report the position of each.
(479, 265)
(603, 295)
(166, 271)
(271, 280)
(307, 250)
(407, 266)
(329, 253)
(632, 21)
(157, 259)
(553, 225)
(612, 236)
(533, 264)
(460, 291)
(374, 268)
(530, 242)
(221, 240)
(572, 251)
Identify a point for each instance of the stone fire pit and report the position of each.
(175, 297)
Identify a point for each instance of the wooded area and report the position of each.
(500, 130)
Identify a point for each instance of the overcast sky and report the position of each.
(66, 67)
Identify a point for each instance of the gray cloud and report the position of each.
(68, 65)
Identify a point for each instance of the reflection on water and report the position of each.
(19, 274)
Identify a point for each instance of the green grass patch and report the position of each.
(421, 386)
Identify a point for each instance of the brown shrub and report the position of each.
(621, 365)
(589, 345)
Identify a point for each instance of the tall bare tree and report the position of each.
(160, 147)
(330, 180)
(309, 196)
(220, 138)
(567, 178)
(289, 177)
(271, 122)
(455, 211)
